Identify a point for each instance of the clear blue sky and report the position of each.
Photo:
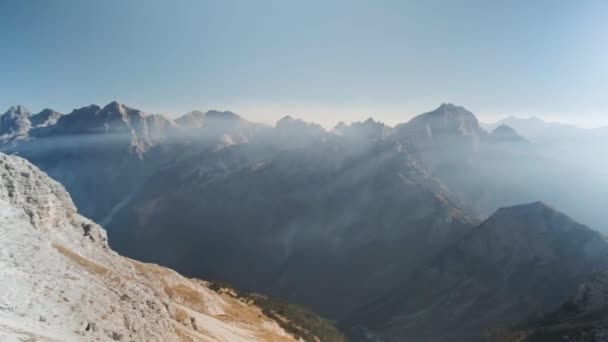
(321, 60)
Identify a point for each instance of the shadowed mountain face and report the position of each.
(295, 223)
(583, 318)
(523, 260)
(373, 225)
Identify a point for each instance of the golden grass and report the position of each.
(181, 316)
(85, 263)
(186, 296)
(182, 335)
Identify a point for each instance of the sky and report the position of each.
(323, 61)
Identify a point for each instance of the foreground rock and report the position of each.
(61, 282)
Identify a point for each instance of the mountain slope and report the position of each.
(524, 259)
(61, 282)
(297, 222)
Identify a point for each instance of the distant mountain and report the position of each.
(538, 130)
(506, 134)
(15, 122)
(138, 130)
(47, 117)
(369, 129)
(446, 126)
(93, 150)
(523, 260)
(193, 119)
(61, 282)
(468, 159)
(218, 129)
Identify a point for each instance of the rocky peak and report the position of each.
(535, 232)
(449, 118)
(46, 117)
(286, 120)
(371, 128)
(213, 119)
(118, 110)
(222, 115)
(297, 132)
(368, 129)
(192, 119)
(18, 111)
(114, 106)
(339, 128)
(290, 123)
(16, 121)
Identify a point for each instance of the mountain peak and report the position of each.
(114, 106)
(193, 119)
(46, 117)
(294, 127)
(15, 122)
(532, 219)
(18, 110)
(447, 124)
(289, 120)
(447, 113)
(452, 109)
(507, 134)
(285, 120)
(535, 235)
(520, 208)
(448, 106)
(222, 115)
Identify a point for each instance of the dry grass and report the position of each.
(153, 270)
(186, 296)
(182, 335)
(85, 263)
(181, 316)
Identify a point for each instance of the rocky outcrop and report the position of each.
(15, 123)
(60, 280)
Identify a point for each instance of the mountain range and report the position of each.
(393, 232)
